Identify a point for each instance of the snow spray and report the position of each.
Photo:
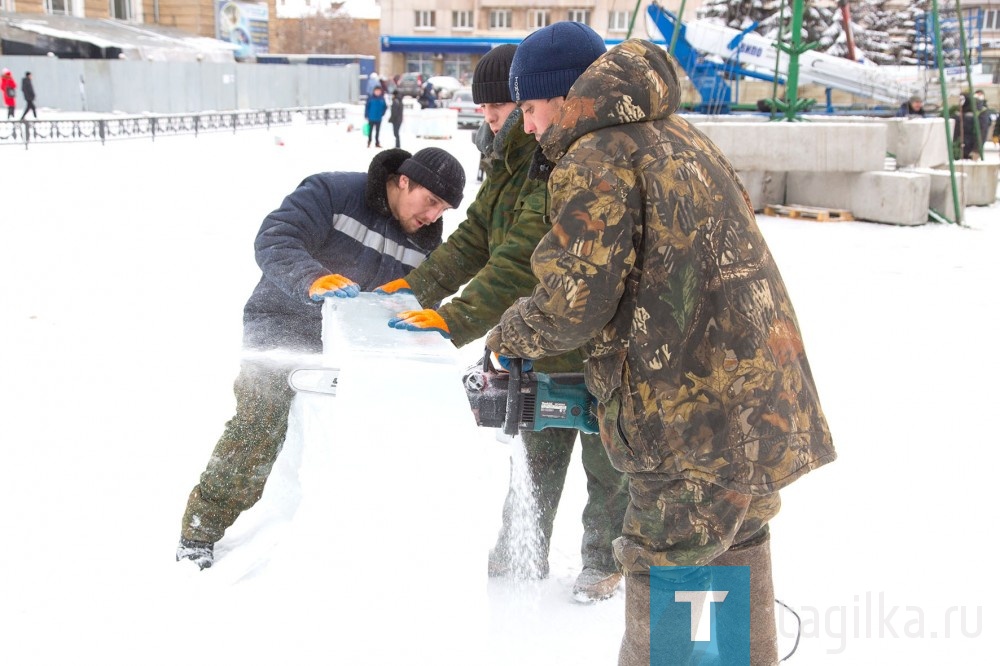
(525, 543)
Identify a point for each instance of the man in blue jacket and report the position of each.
(375, 107)
(335, 235)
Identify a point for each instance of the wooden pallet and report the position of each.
(809, 213)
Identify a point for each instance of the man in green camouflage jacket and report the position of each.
(491, 251)
(655, 265)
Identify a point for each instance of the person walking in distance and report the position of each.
(9, 87)
(375, 108)
(28, 90)
(396, 115)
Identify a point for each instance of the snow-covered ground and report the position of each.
(122, 286)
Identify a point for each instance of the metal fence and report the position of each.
(64, 130)
(135, 87)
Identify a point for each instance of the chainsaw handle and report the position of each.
(513, 416)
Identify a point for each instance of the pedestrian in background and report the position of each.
(655, 265)
(972, 124)
(375, 108)
(9, 87)
(396, 115)
(28, 90)
(914, 107)
(371, 84)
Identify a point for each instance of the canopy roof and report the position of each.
(74, 37)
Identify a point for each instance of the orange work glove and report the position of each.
(400, 286)
(420, 320)
(333, 285)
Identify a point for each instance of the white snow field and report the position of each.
(122, 285)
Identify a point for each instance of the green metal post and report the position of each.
(792, 82)
(631, 21)
(677, 28)
(792, 104)
(777, 66)
(944, 102)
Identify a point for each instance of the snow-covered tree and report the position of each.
(883, 32)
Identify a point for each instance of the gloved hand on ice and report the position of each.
(333, 285)
(420, 320)
(400, 286)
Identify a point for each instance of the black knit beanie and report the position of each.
(550, 60)
(490, 79)
(439, 172)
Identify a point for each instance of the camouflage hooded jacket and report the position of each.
(656, 264)
(490, 252)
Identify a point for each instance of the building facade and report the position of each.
(447, 37)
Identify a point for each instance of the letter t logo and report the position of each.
(700, 631)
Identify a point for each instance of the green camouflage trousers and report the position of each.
(548, 454)
(236, 473)
(680, 522)
(672, 522)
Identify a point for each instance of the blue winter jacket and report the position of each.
(375, 108)
(331, 223)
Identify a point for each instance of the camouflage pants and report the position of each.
(677, 522)
(236, 473)
(548, 453)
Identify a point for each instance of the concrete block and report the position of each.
(805, 146)
(941, 199)
(894, 197)
(917, 142)
(764, 187)
(433, 123)
(981, 181)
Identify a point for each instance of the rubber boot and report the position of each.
(635, 643)
(635, 649)
(756, 554)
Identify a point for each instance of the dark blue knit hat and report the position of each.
(550, 60)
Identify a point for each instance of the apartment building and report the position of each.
(447, 37)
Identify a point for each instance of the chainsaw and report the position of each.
(518, 400)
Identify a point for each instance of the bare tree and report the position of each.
(333, 31)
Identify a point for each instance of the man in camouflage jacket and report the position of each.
(490, 254)
(655, 265)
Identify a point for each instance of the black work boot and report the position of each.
(201, 553)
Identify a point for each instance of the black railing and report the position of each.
(64, 130)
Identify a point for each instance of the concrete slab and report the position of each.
(941, 199)
(981, 181)
(806, 146)
(917, 142)
(893, 197)
(764, 187)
